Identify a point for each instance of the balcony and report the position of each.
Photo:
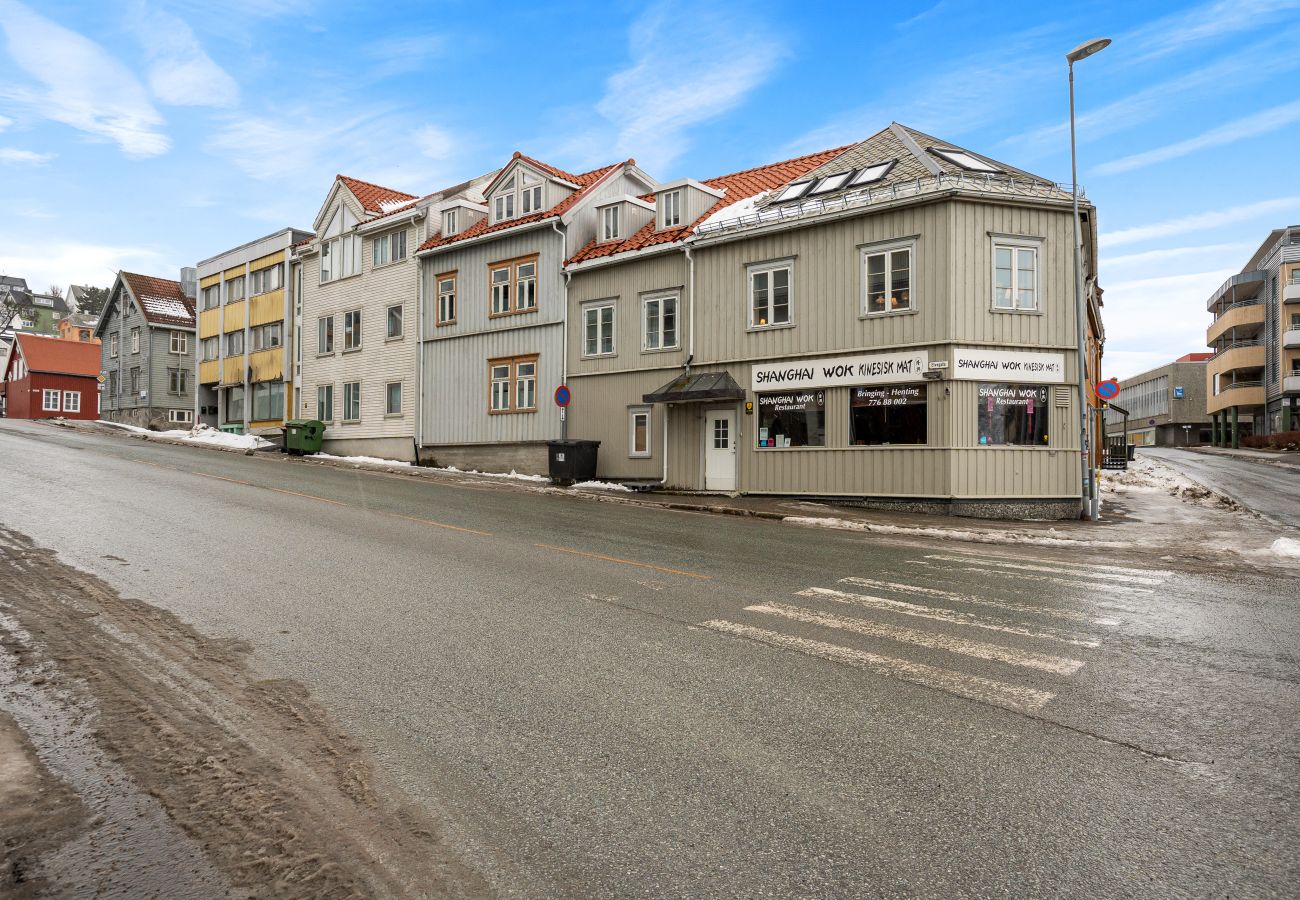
(1291, 384)
(1291, 338)
(1249, 392)
(209, 371)
(1245, 286)
(1291, 292)
(1239, 315)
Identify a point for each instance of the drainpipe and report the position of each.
(690, 292)
(564, 353)
(419, 355)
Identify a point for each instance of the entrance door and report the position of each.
(720, 450)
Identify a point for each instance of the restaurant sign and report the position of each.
(1008, 365)
(878, 368)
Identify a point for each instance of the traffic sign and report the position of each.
(562, 396)
(101, 378)
(1108, 389)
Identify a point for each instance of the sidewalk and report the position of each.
(1286, 458)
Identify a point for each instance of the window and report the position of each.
(532, 199)
(235, 343)
(235, 289)
(1013, 414)
(393, 398)
(351, 330)
(268, 400)
(966, 160)
(794, 191)
(112, 345)
(180, 416)
(389, 248)
(180, 342)
(235, 404)
(212, 297)
(135, 340)
(513, 384)
(325, 402)
(670, 209)
(872, 174)
(517, 279)
(1015, 276)
(268, 336)
(769, 295)
(135, 380)
(638, 432)
(211, 348)
(395, 321)
(178, 381)
(504, 205)
(352, 401)
(660, 320)
(831, 183)
(598, 330)
(887, 279)
(449, 222)
(446, 298)
(887, 415)
(49, 400)
(113, 384)
(72, 401)
(325, 334)
(266, 280)
(83, 334)
(340, 250)
(796, 419)
(609, 223)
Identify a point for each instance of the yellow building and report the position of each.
(246, 319)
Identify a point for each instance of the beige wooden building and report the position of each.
(891, 323)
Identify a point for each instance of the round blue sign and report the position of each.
(1108, 389)
(562, 396)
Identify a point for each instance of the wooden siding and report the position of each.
(266, 365)
(234, 316)
(210, 322)
(234, 272)
(232, 370)
(209, 281)
(626, 284)
(599, 411)
(265, 262)
(209, 371)
(268, 307)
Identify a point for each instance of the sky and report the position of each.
(147, 135)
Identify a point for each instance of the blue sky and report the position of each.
(146, 135)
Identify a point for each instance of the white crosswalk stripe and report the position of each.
(1055, 569)
(1071, 614)
(1122, 590)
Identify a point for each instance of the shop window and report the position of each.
(887, 415)
(268, 400)
(1013, 414)
(796, 419)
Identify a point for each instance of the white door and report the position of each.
(720, 450)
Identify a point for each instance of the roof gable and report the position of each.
(161, 301)
(53, 356)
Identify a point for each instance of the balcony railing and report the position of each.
(1233, 345)
(1240, 384)
(1254, 301)
(1246, 282)
(1291, 292)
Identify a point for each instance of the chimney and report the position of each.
(190, 282)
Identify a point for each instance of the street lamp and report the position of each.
(1088, 484)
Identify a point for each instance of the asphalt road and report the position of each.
(1270, 490)
(604, 700)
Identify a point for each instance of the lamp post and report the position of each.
(1088, 484)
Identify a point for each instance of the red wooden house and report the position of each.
(45, 377)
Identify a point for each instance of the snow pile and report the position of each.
(603, 486)
(745, 206)
(361, 460)
(207, 436)
(955, 534)
(1287, 548)
(513, 475)
(137, 429)
(1147, 475)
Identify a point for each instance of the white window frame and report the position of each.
(767, 268)
(507, 385)
(677, 322)
(445, 314)
(180, 343)
(521, 281)
(600, 325)
(449, 222)
(72, 401)
(211, 348)
(887, 250)
(378, 248)
(388, 398)
(49, 395)
(231, 338)
(113, 345)
(522, 381)
(609, 223)
(670, 209)
(500, 381)
(1016, 244)
(633, 414)
(261, 282)
(324, 333)
(236, 289)
(354, 331)
(401, 322)
(180, 416)
(323, 392)
(352, 387)
(135, 340)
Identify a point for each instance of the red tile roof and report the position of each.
(737, 186)
(161, 300)
(1194, 357)
(584, 181)
(373, 197)
(53, 356)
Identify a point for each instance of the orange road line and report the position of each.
(439, 524)
(626, 562)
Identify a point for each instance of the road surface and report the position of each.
(602, 700)
(1270, 490)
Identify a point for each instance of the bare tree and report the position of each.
(55, 290)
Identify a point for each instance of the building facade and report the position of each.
(891, 323)
(45, 378)
(495, 314)
(147, 351)
(79, 327)
(1253, 380)
(1166, 405)
(246, 335)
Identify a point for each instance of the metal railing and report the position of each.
(1233, 345)
(1256, 301)
(995, 184)
(1233, 282)
(1240, 384)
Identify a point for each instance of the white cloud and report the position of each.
(676, 80)
(180, 71)
(1166, 255)
(51, 262)
(402, 54)
(1269, 120)
(14, 156)
(1207, 22)
(5, 122)
(435, 142)
(1151, 321)
(80, 84)
(1200, 221)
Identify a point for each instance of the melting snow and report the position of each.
(514, 476)
(746, 206)
(958, 534)
(603, 486)
(367, 460)
(388, 206)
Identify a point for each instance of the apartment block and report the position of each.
(1166, 405)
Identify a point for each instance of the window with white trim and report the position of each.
(235, 289)
(211, 348)
(394, 322)
(530, 194)
(887, 279)
(135, 340)
(1015, 275)
(72, 401)
(393, 398)
(352, 330)
(389, 248)
(770, 294)
(325, 402)
(512, 384)
(340, 250)
(659, 322)
(180, 416)
(670, 209)
(178, 381)
(504, 204)
(609, 229)
(325, 334)
(180, 342)
(514, 286)
(449, 222)
(352, 401)
(638, 432)
(49, 400)
(598, 330)
(235, 343)
(112, 345)
(446, 313)
(212, 297)
(268, 336)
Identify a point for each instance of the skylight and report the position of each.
(872, 174)
(832, 182)
(963, 159)
(798, 189)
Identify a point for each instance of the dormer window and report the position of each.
(670, 209)
(609, 224)
(872, 174)
(794, 191)
(449, 222)
(966, 160)
(831, 183)
(340, 251)
(505, 201)
(530, 200)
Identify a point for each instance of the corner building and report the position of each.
(891, 323)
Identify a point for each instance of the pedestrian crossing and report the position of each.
(1030, 626)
